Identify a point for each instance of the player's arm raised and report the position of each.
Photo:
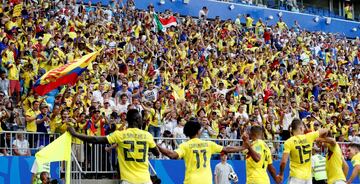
(86, 138)
(254, 155)
(323, 132)
(169, 153)
(233, 149)
(327, 140)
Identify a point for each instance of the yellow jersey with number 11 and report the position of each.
(133, 146)
(197, 154)
(299, 147)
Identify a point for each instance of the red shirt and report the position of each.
(267, 36)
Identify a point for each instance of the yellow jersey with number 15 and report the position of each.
(133, 146)
(299, 147)
(197, 154)
(256, 171)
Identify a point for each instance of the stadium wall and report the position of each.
(16, 170)
(173, 171)
(222, 9)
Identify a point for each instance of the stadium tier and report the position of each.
(192, 91)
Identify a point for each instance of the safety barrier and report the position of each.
(21, 143)
(100, 161)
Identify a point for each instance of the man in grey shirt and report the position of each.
(222, 170)
(4, 83)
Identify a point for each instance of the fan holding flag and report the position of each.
(162, 23)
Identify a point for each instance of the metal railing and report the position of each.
(21, 143)
(99, 161)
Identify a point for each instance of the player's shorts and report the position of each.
(338, 182)
(293, 180)
(126, 182)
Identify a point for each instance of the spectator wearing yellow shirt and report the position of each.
(249, 22)
(348, 11)
(14, 77)
(282, 25)
(30, 117)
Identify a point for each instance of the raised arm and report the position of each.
(327, 140)
(169, 153)
(233, 149)
(89, 139)
(254, 155)
(323, 132)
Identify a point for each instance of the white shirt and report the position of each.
(223, 91)
(203, 14)
(35, 169)
(98, 95)
(22, 146)
(179, 133)
(243, 115)
(122, 107)
(169, 125)
(133, 84)
(151, 95)
(222, 172)
(354, 139)
(287, 121)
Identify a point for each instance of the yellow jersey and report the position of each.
(31, 125)
(133, 145)
(197, 154)
(256, 171)
(299, 147)
(334, 163)
(356, 160)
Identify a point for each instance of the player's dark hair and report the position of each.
(256, 130)
(134, 119)
(355, 145)
(191, 128)
(295, 125)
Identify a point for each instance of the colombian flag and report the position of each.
(67, 74)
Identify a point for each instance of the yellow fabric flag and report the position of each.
(58, 150)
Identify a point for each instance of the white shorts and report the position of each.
(338, 182)
(126, 182)
(293, 180)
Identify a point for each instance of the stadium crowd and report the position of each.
(230, 74)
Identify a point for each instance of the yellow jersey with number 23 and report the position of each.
(197, 154)
(299, 147)
(133, 146)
